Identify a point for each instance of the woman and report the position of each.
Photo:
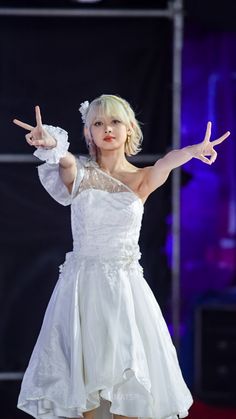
(104, 347)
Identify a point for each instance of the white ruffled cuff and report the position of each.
(53, 155)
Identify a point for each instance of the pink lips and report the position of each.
(108, 138)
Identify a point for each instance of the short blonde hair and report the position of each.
(116, 107)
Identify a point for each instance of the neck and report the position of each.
(112, 162)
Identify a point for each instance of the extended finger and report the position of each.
(208, 132)
(221, 139)
(23, 124)
(38, 116)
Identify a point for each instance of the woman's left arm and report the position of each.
(157, 174)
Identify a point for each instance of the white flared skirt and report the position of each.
(103, 344)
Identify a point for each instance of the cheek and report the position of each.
(95, 132)
(123, 132)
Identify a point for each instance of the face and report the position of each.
(108, 133)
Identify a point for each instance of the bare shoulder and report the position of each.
(137, 176)
(151, 178)
(139, 170)
(146, 180)
(137, 173)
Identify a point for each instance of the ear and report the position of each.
(132, 125)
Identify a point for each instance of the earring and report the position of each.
(128, 138)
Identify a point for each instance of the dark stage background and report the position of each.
(58, 63)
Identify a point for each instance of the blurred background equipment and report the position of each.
(215, 348)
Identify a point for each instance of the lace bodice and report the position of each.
(106, 215)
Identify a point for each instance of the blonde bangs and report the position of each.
(108, 108)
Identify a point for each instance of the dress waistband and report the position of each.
(124, 259)
(108, 254)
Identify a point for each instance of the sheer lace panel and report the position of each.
(95, 179)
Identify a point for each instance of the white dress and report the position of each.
(103, 343)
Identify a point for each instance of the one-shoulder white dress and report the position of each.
(103, 342)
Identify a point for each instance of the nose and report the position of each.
(107, 129)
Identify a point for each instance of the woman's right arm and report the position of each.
(39, 137)
(67, 170)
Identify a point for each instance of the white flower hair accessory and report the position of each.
(84, 109)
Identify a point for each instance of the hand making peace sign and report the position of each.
(206, 147)
(37, 136)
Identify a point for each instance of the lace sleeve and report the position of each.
(50, 178)
(54, 154)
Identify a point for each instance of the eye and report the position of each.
(98, 123)
(116, 121)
